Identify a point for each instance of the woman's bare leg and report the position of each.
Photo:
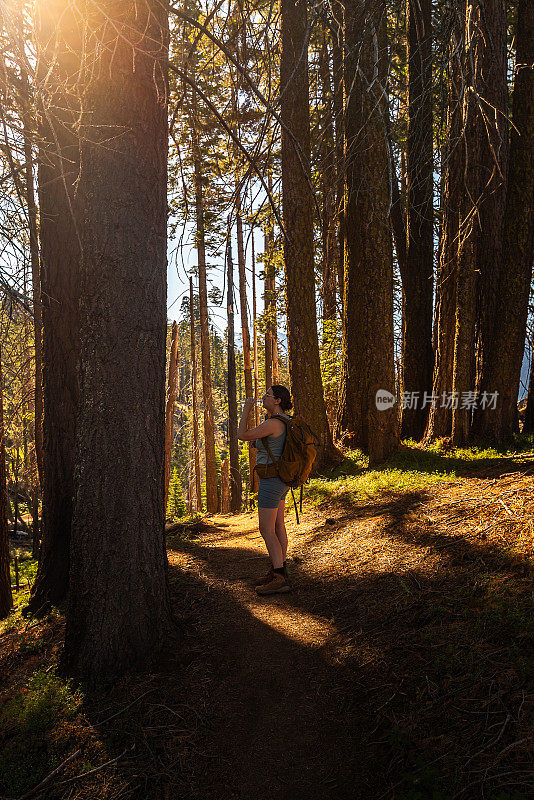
(280, 527)
(267, 517)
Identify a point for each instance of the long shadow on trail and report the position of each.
(276, 730)
(400, 683)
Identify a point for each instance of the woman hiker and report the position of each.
(272, 491)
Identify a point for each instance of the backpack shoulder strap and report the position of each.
(265, 442)
(281, 418)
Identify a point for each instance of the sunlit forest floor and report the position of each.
(400, 666)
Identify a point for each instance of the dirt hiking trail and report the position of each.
(388, 671)
(400, 667)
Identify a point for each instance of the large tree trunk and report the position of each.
(327, 168)
(273, 294)
(169, 408)
(234, 474)
(269, 298)
(297, 201)
(338, 110)
(498, 418)
(494, 151)
(209, 425)
(58, 36)
(471, 198)
(440, 416)
(480, 238)
(119, 612)
(330, 249)
(368, 364)
(196, 449)
(225, 494)
(245, 333)
(241, 54)
(6, 597)
(194, 504)
(268, 350)
(255, 331)
(418, 275)
(30, 439)
(398, 224)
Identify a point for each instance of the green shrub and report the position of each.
(175, 501)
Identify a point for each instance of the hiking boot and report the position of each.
(277, 585)
(266, 578)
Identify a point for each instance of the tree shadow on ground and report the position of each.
(431, 462)
(419, 688)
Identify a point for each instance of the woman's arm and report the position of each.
(265, 429)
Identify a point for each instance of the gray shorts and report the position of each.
(271, 491)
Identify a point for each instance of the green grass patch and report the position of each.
(353, 481)
(410, 468)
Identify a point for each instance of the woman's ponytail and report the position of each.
(283, 395)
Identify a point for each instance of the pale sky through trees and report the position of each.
(178, 286)
(180, 260)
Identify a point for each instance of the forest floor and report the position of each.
(400, 666)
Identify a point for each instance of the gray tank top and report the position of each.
(276, 445)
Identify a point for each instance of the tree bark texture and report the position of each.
(169, 408)
(368, 291)
(225, 495)
(196, 447)
(268, 349)
(471, 198)
(255, 332)
(269, 297)
(209, 424)
(418, 274)
(36, 538)
(485, 167)
(245, 332)
(508, 341)
(338, 111)
(234, 473)
(440, 415)
(493, 111)
(119, 612)
(298, 203)
(329, 227)
(327, 167)
(58, 42)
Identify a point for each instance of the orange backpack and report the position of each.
(296, 461)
